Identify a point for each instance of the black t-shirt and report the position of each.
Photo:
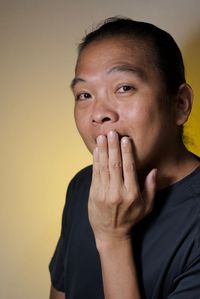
(166, 244)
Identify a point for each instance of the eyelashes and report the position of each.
(82, 96)
(124, 89)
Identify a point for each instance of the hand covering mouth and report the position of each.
(120, 136)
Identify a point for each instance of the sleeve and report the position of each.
(56, 266)
(188, 283)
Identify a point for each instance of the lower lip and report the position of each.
(120, 136)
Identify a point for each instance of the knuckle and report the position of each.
(132, 196)
(129, 167)
(130, 199)
(95, 169)
(115, 165)
(92, 194)
(104, 168)
(115, 199)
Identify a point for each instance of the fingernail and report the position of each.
(112, 134)
(100, 139)
(125, 140)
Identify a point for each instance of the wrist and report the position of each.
(113, 244)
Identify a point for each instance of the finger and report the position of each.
(129, 167)
(95, 169)
(115, 162)
(149, 189)
(103, 159)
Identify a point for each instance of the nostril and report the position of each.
(106, 119)
(103, 114)
(101, 120)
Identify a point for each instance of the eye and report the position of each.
(82, 96)
(125, 88)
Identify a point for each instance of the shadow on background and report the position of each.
(191, 53)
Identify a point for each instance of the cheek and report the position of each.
(77, 118)
(82, 124)
(145, 126)
(141, 118)
(80, 118)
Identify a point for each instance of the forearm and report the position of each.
(118, 270)
(115, 205)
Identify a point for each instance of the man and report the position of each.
(131, 226)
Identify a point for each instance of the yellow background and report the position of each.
(40, 148)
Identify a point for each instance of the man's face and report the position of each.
(118, 87)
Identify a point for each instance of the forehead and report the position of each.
(101, 60)
(115, 50)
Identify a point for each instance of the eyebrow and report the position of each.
(75, 81)
(126, 68)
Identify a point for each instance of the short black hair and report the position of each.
(168, 57)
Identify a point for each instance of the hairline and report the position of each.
(130, 38)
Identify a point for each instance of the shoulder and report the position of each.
(83, 173)
(194, 182)
(83, 177)
(185, 192)
(77, 194)
(80, 183)
(189, 213)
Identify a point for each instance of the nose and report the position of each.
(103, 112)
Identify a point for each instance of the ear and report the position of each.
(184, 100)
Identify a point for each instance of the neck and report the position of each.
(173, 168)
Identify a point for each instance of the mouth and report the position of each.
(120, 136)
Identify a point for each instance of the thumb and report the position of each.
(149, 189)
